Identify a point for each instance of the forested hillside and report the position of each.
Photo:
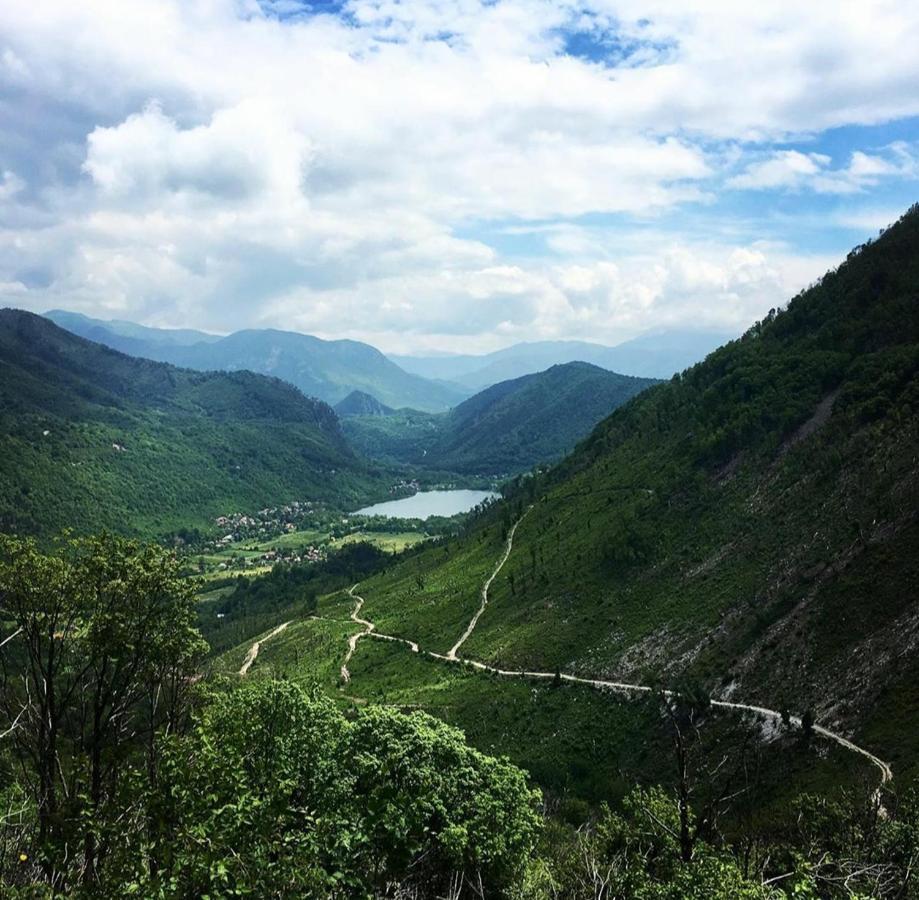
(506, 428)
(537, 418)
(358, 403)
(92, 438)
(751, 524)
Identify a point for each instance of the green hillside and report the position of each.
(537, 418)
(92, 438)
(750, 526)
(358, 403)
(508, 427)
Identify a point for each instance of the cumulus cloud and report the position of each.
(243, 151)
(679, 285)
(364, 172)
(794, 170)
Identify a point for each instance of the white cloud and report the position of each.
(793, 170)
(676, 285)
(12, 290)
(201, 162)
(786, 168)
(247, 150)
(868, 220)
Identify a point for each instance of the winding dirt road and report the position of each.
(600, 684)
(253, 650)
(508, 546)
(369, 631)
(352, 641)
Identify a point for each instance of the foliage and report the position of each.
(275, 793)
(96, 663)
(836, 850)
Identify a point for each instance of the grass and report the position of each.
(391, 542)
(431, 597)
(574, 741)
(287, 541)
(309, 651)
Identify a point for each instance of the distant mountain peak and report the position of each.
(657, 354)
(360, 403)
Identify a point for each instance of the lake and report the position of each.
(427, 503)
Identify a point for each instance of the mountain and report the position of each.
(509, 427)
(357, 403)
(654, 355)
(130, 332)
(328, 370)
(92, 438)
(751, 527)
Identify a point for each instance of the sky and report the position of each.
(447, 175)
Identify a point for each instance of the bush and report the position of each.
(275, 793)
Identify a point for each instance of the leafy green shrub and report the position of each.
(276, 794)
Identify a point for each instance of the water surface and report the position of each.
(427, 503)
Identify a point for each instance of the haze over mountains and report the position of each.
(330, 370)
(654, 355)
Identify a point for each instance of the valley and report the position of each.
(505, 429)
(724, 568)
(759, 713)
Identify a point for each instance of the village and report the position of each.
(300, 532)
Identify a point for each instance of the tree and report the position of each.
(635, 852)
(808, 719)
(710, 764)
(105, 644)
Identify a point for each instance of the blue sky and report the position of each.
(447, 174)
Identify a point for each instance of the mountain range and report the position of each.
(330, 370)
(653, 355)
(327, 370)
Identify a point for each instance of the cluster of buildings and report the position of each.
(240, 561)
(265, 523)
(405, 487)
